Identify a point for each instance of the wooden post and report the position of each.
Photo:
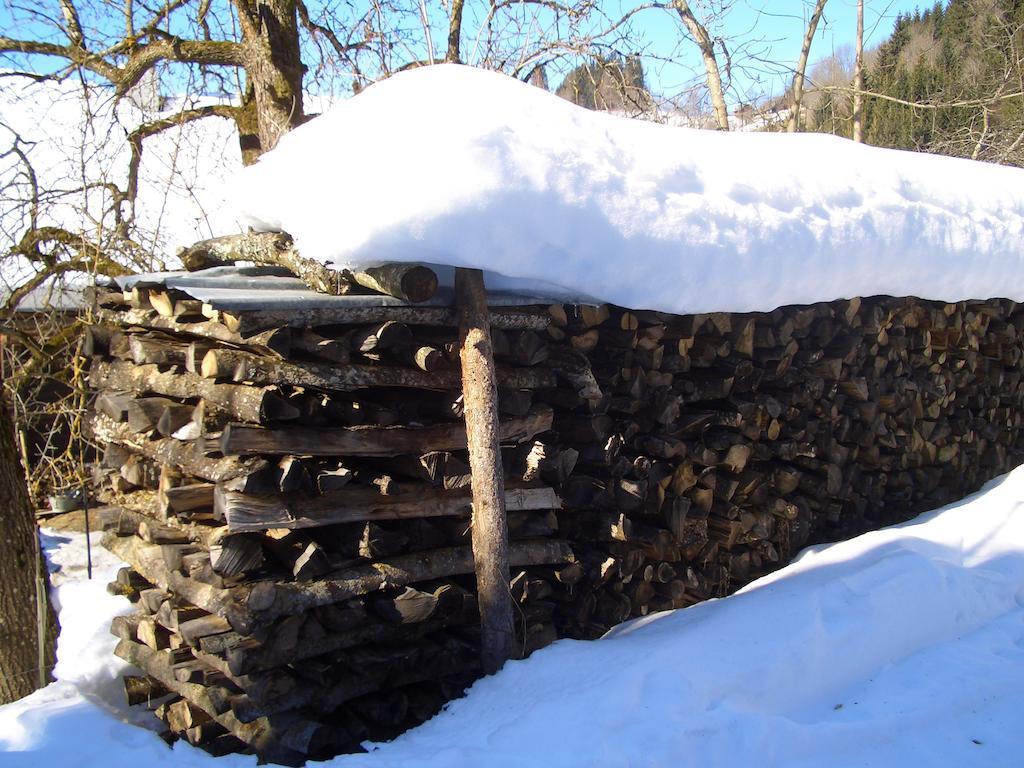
(490, 530)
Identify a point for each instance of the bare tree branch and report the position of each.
(801, 66)
(707, 50)
(966, 103)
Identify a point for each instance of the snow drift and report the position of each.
(901, 647)
(460, 166)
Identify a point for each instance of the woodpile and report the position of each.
(722, 444)
(294, 502)
(289, 482)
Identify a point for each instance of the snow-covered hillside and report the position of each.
(459, 166)
(903, 647)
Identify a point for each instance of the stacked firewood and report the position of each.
(290, 486)
(716, 446)
(294, 507)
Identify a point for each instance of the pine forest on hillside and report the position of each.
(949, 81)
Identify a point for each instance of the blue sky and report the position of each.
(763, 37)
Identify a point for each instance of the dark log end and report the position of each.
(419, 284)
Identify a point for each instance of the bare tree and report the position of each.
(266, 49)
(707, 51)
(858, 78)
(801, 66)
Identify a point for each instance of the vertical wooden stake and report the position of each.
(490, 530)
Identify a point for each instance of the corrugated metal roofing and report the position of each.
(239, 288)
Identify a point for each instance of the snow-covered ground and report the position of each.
(902, 647)
(460, 166)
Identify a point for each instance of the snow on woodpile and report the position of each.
(904, 646)
(459, 166)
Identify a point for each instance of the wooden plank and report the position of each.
(243, 366)
(241, 439)
(252, 606)
(258, 605)
(253, 404)
(245, 512)
(185, 498)
(253, 321)
(183, 455)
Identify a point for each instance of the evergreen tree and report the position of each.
(961, 62)
(610, 84)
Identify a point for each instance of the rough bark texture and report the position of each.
(236, 400)
(273, 66)
(20, 656)
(455, 33)
(490, 526)
(243, 439)
(273, 248)
(177, 453)
(242, 366)
(254, 320)
(246, 512)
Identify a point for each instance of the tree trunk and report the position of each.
(801, 67)
(270, 37)
(24, 666)
(455, 32)
(707, 51)
(858, 78)
(489, 523)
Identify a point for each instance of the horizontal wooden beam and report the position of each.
(245, 512)
(176, 453)
(250, 322)
(242, 366)
(249, 607)
(241, 439)
(272, 342)
(257, 405)
(258, 605)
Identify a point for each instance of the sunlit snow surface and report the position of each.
(459, 166)
(903, 647)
